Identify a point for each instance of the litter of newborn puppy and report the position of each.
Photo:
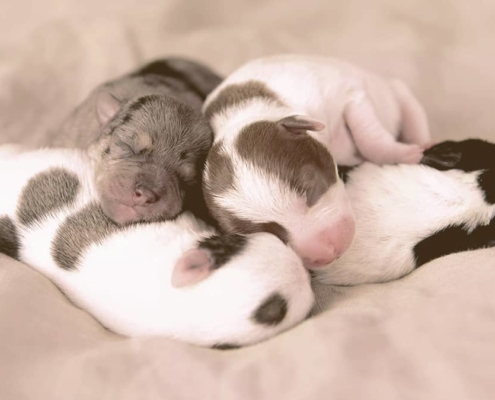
(270, 180)
(178, 279)
(148, 138)
(408, 215)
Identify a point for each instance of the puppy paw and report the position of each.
(442, 156)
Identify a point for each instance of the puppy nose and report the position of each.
(320, 257)
(143, 196)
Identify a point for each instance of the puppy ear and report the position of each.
(107, 106)
(300, 124)
(193, 266)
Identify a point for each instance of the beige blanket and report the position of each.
(430, 335)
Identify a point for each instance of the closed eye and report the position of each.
(125, 147)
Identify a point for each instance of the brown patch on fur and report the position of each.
(220, 169)
(229, 223)
(276, 229)
(235, 94)
(299, 160)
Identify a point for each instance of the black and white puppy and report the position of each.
(408, 215)
(146, 133)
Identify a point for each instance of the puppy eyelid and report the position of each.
(125, 147)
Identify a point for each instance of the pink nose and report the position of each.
(320, 257)
(143, 196)
(317, 251)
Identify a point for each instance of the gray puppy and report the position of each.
(147, 137)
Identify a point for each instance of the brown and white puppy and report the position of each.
(281, 124)
(148, 138)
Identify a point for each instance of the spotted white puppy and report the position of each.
(408, 215)
(176, 278)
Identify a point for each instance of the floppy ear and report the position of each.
(107, 106)
(192, 267)
(300, 124)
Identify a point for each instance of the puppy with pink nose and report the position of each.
(281, 126)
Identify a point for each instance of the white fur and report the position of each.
(124, 281)
(321, 88)
(395, 208)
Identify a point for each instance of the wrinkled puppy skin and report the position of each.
(148, 139)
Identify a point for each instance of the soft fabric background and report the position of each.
(430, 335)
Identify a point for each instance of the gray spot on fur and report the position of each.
(235, 94)
(46, 193)
(272, 311)
(78, 232)
(197, 77)
(9, 238)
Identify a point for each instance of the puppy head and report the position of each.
(150, 151)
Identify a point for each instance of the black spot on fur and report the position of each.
(467, 155)
(46, 193)
(222, 248)
(272, 311)
(486, 182)
(9, 238)
(78, 232)
(225, 346)
(195, 203)
(126, 118)
(139, 103)
(454, 239)
(344, 171)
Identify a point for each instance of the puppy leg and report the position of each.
(414, 128)
(372, 140)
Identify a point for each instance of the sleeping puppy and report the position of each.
(357, 115)
(177, 278)
(408, 215)
(147, 137)
(281, 125)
